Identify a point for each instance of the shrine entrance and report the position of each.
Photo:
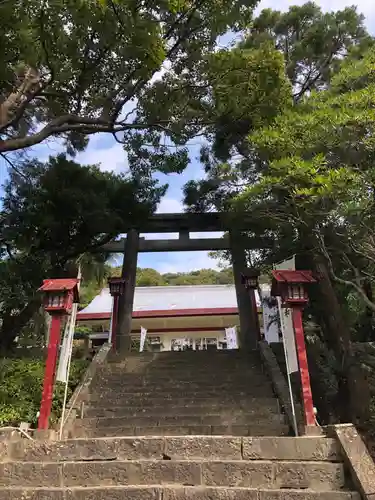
(183, 224)
(200, 344)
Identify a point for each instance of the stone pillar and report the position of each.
(248, 333)
(125, 307)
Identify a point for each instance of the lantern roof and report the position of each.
(116, 279)
(250, 272)
(61, 284)
(292, 276)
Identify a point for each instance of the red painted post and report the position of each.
(114, 321)
(308, 405)
(49, 374)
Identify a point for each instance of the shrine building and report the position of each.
(176, 317)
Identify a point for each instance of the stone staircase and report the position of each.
(182, 393)
(177, 426)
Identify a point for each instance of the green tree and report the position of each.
(53, 213)
(302, 175)
(149, 277)
(320, 183)
(314, 45)
(71, 69)
(321, 166)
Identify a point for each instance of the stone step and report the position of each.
(162, 368)
(222, 400)
(187, 391)
(208, 384)
(170, 408)
(171, 493)
(223, 418)
(181, 378)
(178, 356)
(253, 429)
(178, 448)
(185, 361)
(316, 475)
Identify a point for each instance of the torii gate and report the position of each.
(183, 224)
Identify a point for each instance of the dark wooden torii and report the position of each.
(184, 224)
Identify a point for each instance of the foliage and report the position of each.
(313, 42)
(151, 277)
(306, 177)
(314, 45)
(71, 69)
(82, 332)
(320, 176)
(21, 389)
(308, 171)
(53, 213)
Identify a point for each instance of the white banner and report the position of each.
(231, 337)
(286, 323)
(143, 339)
(111, 321)
(62, 374)
(67, 345)
(270, 315)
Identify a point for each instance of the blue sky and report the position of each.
(104, 150)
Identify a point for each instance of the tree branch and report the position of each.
(343, 281)
(12, 166)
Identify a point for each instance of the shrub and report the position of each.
(21, 382)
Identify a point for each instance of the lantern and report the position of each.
(292, 286)
(249, 278)
(59, 295)
(116, 286)
(116, 289)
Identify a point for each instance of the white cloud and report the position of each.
(169, 206)
(112, 158)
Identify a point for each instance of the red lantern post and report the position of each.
(58, 301)
(291, 285)
(250, 279)
(116, 288)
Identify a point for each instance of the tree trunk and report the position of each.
(351, 380)
(12, 324)
(367, 322)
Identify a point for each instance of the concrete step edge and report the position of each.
(178, 411)
(156, 492)
(192, 402)
(190, 447)
(261, 474)
(191, 430)
(197, 460)
(180, 421)
(177, 425)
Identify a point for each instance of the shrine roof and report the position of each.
(170, 301)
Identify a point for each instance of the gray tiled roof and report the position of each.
(161, 298)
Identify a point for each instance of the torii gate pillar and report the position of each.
(248, 328)
(125, 307)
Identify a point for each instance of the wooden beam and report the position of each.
(180, 245)
(196, 222)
